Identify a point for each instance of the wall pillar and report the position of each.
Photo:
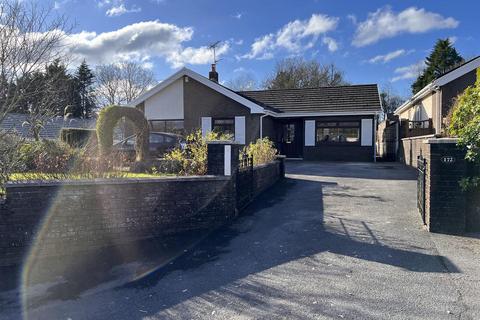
(445, 207)
(222, 157)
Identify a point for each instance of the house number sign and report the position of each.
(448, 159)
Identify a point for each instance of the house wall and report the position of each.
(344, 152)
(202, 101)
(452, 89)
(422, 110)
(167, 104)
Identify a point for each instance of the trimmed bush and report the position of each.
(76, 137)
(262, 151)
(109, 117)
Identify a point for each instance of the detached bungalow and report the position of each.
(326, 123)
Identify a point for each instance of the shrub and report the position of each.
(78, 138)
(9, 158)
(465, 124)
(262, 151)
(108, 118)
(46, 156)
(192, 160)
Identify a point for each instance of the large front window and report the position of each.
(337, 132)
(225, 126)
(171, 126)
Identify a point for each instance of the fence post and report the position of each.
(222, 158)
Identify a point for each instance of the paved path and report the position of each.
(332, 241)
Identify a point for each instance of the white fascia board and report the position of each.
(254, 108)
(419, 95)
(323, 114)
(460, 71)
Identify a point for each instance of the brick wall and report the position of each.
(387, 132)
(68, 217)
(445, 201)
(265, 175)
(411, 148)
(83, 215)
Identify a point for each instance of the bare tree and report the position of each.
(122, 83)
(390, 100)
(298, 73)
(30, 37)
(243, 82)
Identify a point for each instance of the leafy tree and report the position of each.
(465, 124)
(84, 97)
(294, 73)
(442, 58)
(59, 86)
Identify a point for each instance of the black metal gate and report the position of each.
(421, 167)
(244, 181)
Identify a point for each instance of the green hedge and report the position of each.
(109, 117)
(77, 138)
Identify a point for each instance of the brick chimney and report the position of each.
(213, 74)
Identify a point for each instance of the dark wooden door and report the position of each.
(291, 139)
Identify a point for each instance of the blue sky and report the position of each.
(371, 41)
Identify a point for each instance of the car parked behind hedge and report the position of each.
(159, 144)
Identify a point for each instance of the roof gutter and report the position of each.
(322, 114)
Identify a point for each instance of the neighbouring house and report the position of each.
(325, 123)
(426, 111)
(15, 123)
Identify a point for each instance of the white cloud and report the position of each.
(352, 18)
(453, 39)
(384, 58)
(238, 15)
(294, 36)
(384, 23)
(120, 10)
(409, 72)
(201, 55)
(141, 42)
(332, 45)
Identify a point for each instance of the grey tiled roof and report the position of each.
(348, 99)
(14, 123)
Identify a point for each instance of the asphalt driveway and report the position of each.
(333, 240)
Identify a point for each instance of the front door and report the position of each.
(291, 139)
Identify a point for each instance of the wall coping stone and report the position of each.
(116, 181)
(264, 165)
(420, 137)
(223, 142)
(441, 140)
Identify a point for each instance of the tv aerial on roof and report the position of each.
(214, 47)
